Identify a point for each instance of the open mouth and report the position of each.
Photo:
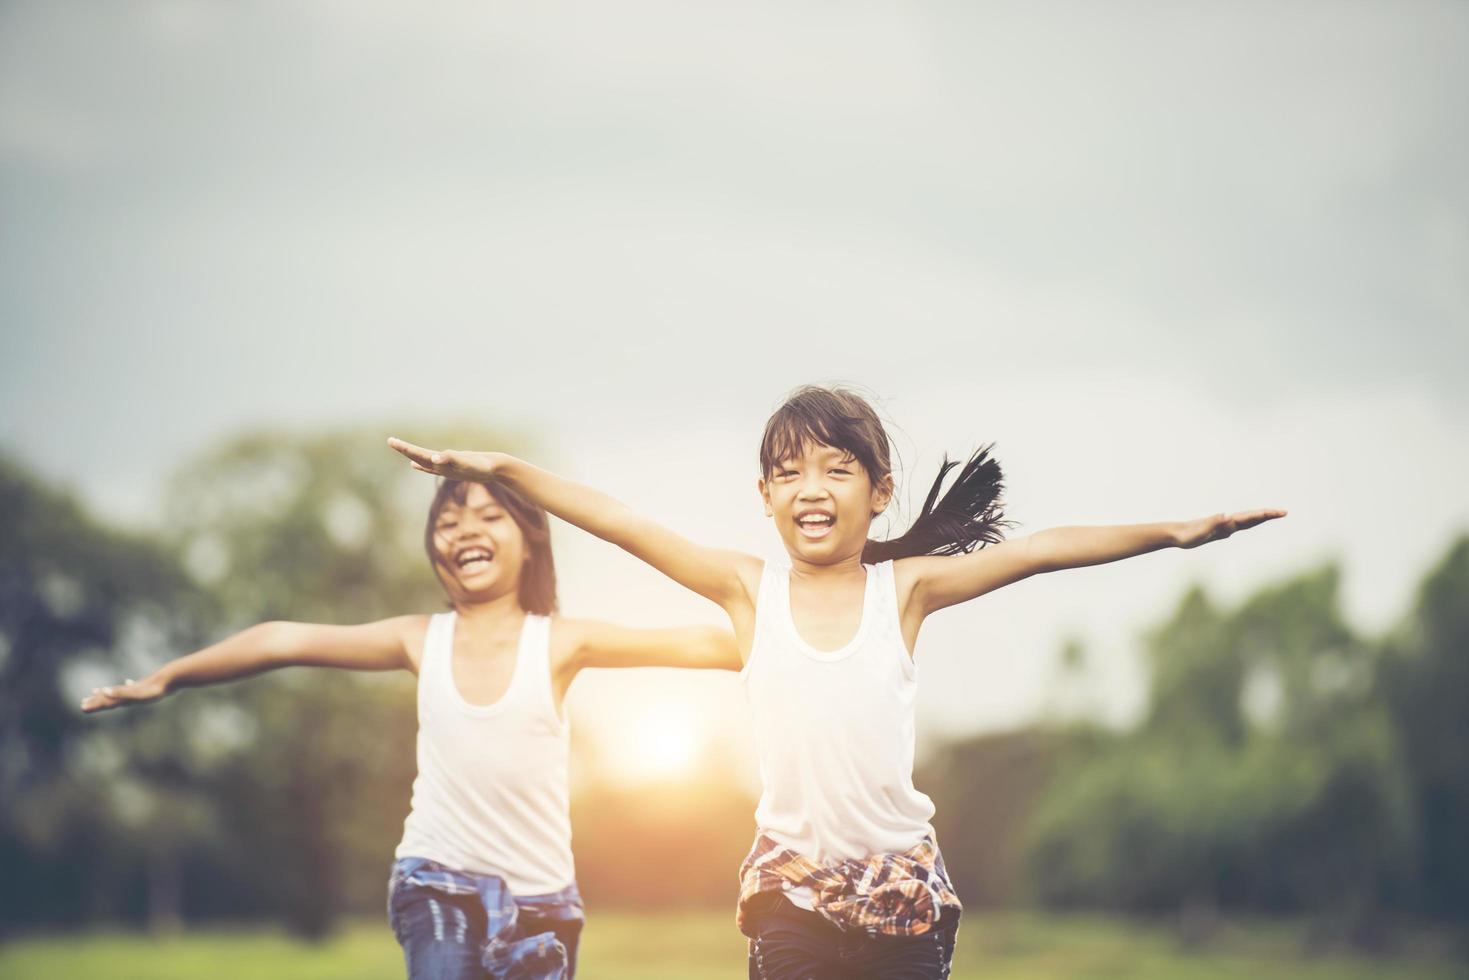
(815, 524)
(472, 560)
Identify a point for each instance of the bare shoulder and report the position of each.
(411, 631)
(568, 638)
(907, 572)
(574, 641)
(749, 569)
(572, 637)
(927, 583)
(910, 577)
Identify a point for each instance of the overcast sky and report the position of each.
(1171, 258)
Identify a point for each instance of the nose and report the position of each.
(464, 532)
(811, 489)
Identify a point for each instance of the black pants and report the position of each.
(792, 943)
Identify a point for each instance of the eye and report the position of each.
(842, 470)
(784, 474)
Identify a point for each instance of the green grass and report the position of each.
(705, 946)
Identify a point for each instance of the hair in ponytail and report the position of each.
(967, 516)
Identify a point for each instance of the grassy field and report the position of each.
(705, 946)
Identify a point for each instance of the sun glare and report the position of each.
(664, 742)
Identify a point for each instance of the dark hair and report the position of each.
(538, 574)
(969, 515)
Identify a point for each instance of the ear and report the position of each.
(882, 495)
(764, 490)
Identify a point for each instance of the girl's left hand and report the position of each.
(1191, 534)
(452, 464)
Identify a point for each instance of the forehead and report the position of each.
(816, 452)
(476, 497)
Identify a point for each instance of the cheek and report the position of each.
(513, 546)
(861, 504)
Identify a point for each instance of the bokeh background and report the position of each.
(1170, 259)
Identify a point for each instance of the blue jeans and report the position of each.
(793, 943)
(455, 925)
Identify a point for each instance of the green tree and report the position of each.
(1266, 773)
(1425, 675)
(80, 603)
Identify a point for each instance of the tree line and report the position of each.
(1285, 764)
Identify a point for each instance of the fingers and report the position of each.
(1253, 518)
(433, 461)
(418, 454)
(100, 699)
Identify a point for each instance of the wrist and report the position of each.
(165, 680)
(506, 468)
(1175, 534)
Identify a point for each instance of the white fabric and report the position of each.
(834, 731)
(491, 792)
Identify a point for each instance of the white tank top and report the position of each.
(491, 795)
(834, 730)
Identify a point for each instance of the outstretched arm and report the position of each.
(945, 581)
(384, 645)
(711, 572)
(598, 644)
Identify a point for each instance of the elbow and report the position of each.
(1041, 555)
(719, 650)
(1041, 567)
(624, 527)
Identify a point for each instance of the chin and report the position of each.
(815, 551)
(480, 590)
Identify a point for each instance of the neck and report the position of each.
(504, 608)
(849, 566)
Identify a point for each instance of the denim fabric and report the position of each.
(792, 943)
(454, 925)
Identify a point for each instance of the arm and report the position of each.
(596, 644)
(945, 581)
(384, 645)
(713, 573)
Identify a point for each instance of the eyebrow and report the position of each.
(824, 452)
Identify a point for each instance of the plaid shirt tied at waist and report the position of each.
(889, 894)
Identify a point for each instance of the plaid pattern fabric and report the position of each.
(889, 894)
(507, 951)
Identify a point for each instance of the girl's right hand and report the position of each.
(451, 464)
(123, 695)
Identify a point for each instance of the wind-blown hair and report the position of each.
(968, 515)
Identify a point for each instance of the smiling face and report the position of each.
(477, 547)
(823, 503)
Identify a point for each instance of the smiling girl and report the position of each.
(845, 878)
(483, 879)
